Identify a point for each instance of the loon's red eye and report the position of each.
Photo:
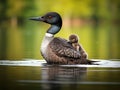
(49, 17)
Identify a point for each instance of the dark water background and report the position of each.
(29, 76)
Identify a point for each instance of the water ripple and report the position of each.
(32, 62)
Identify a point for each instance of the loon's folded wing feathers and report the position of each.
(62, 48)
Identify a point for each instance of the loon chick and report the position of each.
(73, 39)
(57, 50)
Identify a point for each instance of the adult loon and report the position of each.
(57, 50)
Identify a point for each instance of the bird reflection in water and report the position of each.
(58, 76)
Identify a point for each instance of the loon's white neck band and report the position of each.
(49, 35)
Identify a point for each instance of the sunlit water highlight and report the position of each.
(32, 62)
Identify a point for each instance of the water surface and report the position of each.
(37, 75)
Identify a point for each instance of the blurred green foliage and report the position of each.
(95, 21)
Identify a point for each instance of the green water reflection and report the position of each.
(61, 78)
(95, 21)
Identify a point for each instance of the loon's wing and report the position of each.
(63, 48)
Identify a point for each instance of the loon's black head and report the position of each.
(52, 18)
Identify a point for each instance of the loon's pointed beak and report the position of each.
(37, 19)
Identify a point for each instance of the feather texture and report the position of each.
(62, 48)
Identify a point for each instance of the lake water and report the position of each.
(37, 75)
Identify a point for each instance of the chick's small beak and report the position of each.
(37, 19)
